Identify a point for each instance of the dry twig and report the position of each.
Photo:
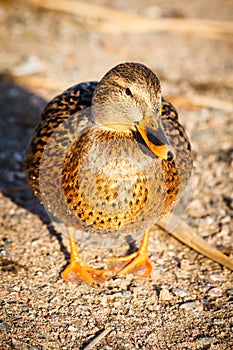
(111, 20)
(186, 235)
(97, 339)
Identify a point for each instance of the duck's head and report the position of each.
(130, 96)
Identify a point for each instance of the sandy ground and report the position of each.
(188, 301)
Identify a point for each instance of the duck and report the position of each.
(110, 158)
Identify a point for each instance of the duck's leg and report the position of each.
(77, 270)
(137, 263)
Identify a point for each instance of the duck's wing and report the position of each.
(173, 128)
(177, 136)
(58, 110)
(168, 110)
(72, 100)
(177, 172)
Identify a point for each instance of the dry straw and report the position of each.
(111, 20)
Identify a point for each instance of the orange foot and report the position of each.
(137, 263)
(76, 270)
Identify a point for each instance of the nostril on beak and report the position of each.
(170, 156)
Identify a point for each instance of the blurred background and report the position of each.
(48, 46)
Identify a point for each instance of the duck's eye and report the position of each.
(128, 92)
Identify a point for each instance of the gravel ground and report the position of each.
(188, 301)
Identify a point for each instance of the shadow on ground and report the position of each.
(20, 112)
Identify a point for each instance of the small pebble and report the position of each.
(185, 265)
(225, 230)
(196, 209)
(4, 326)
(39, 273)
(180, 292)
(215, 292)
(72, 329)
(160, 261)
(226, 219)
(205, 341)
(209, 220)
(217, 277)
(16, 288)
(182, 274)
(191, 306)
(165, 295)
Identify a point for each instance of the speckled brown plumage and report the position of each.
(111, 179)
(60, 108)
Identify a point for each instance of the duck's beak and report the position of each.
(152, 132)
